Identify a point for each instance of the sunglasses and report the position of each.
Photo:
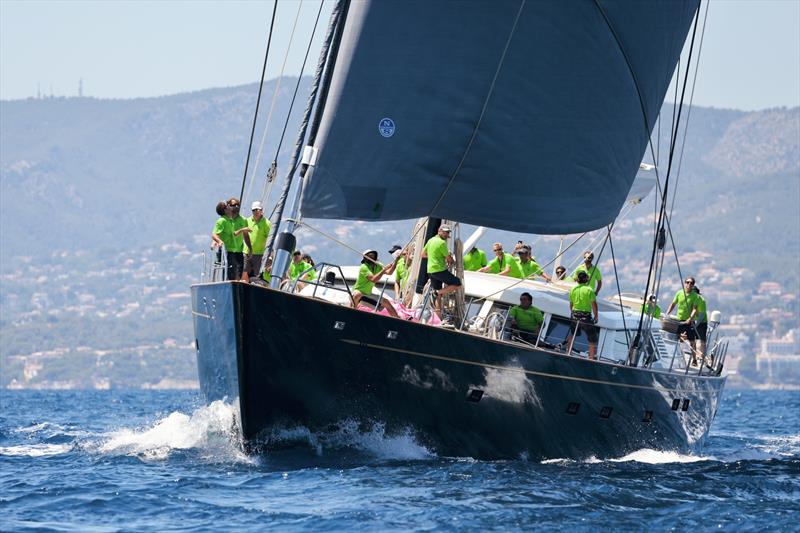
(689, 282)
(497, 250)
(233, 206)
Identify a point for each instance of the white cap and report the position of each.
(256, 205)
(444, 227)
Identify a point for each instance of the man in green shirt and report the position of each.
(298, 266)
(700, 322)
(686, 303)
(255, 240)
(595, 279)
(236, 250)
(474, 260)
(525, 319)
(583, 307)
(401, 272)
(651, 308)
(222, 237)
(527, 265)
(503, 264)
(439, 259)
(370, 272)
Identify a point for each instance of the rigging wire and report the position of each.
(276, 90)
(689, 112)
(297, 85)
(619, 290)
(258, 99)
(662, 211)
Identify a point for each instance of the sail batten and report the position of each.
(559, 139)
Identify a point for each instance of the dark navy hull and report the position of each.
(295, 361)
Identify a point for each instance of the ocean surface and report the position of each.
(164, 461)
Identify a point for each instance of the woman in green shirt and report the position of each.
(370, 272)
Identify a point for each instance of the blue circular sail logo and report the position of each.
(386, 127)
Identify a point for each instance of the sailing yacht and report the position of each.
(516, 115)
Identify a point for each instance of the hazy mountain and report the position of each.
(118, 174)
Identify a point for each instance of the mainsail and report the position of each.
(530, 116)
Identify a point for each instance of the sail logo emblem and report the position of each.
(386, 127)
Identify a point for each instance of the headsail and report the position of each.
(527, 116)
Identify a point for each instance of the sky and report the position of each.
(122, 49)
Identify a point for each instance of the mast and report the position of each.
(286, 240)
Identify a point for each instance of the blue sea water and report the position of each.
(164, 461)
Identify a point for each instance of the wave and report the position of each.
(352, 435)
(211, 430)
(35, 450)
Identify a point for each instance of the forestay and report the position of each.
(527, 116)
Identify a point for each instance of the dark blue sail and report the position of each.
(528, 116)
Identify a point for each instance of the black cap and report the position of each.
(394, 248)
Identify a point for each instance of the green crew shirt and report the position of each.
(474, 260)
(594, 275)
(295, 269)
(581, 298)
(258, 236)
(530, 268)
(401, 272)
(363, 284)
(701, 315)
(238, 240)
(527, 319)
(223, 228)
(651, 309)
(685, 304)
(498, 264)
(437, 251)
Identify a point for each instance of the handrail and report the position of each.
(319, 280)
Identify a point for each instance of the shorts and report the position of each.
(691, 334)
(445, 276)
(702, 330)
(235, 265)
(252, 264)
(586, 324)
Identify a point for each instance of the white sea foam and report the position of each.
(210, 429)
(350, 434)
(35, 450)
(657, 457)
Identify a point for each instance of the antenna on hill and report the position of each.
(38, 91)
(80, 88)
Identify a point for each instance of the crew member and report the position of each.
(595, 279)
(255, 240)
(525, 319)
(700, 322)
(222, 236)
(561, 273)
(370, 272)
(651, 307)
(686, 303)
(401, 273)
(503, 264)
(236, 255)
(475, 259)
(298, 266)
(528, 265)
(583, 307)
(439, 259)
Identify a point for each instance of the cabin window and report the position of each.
(558, 335)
